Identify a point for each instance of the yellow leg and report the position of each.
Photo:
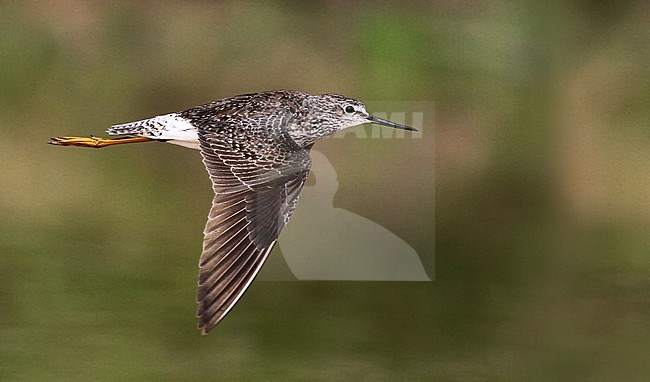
(95, 142)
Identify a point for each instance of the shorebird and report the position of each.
(255, 148)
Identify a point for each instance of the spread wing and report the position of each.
(256, 190)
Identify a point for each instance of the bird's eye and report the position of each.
(349, 109)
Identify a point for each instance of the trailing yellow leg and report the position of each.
(95, 142)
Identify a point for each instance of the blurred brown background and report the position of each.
(542, 191)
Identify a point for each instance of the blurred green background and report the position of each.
(542, 191)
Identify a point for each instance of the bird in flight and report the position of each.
(255, 148)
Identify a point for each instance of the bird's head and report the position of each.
(327, 114)
(341, 112)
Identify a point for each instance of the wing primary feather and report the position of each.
(256, 187)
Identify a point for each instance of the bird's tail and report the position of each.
(144, 127)
(170, 128)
